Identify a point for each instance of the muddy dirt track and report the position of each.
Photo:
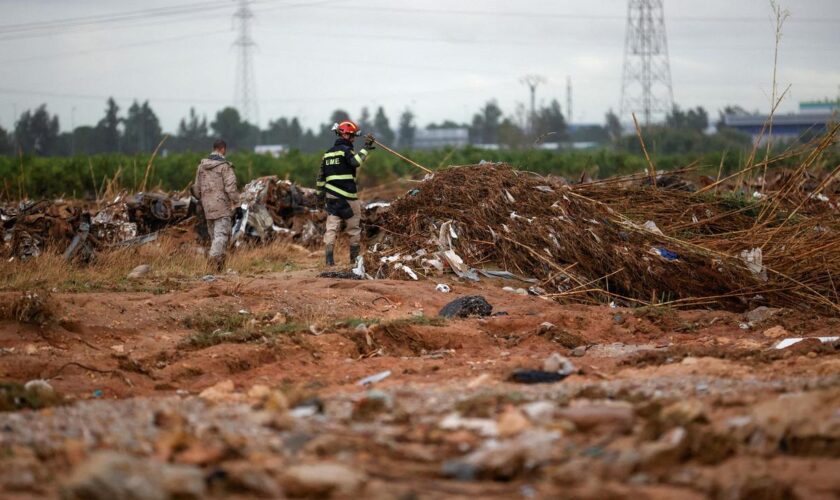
(246, 386)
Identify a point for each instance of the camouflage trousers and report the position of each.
(219, 234)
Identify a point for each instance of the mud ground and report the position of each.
(662, 404)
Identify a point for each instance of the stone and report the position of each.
(667, 450)
(598, 416)
(762, 313)
(685, 412)
(539, 412)
(776, 332)
(109, 475)
(512, 422)
(222, 391)
(243, 476)
(40, 388)
(139, 271)
(323, 479)
(558, 364)
(505, 459)
(578, 351)
(545, 328)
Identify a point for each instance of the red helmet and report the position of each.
(346, 127)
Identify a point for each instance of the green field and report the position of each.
(82, 176)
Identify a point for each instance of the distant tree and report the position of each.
(5, 144)
(107, 130)
(693, 119)
(728, 110)
(485, 125)
(511, 135)
(407, 130)
(448, 124)
(295, 134)
(613, 127)
(142, 129)
(229, 126)
(193, 134)
(382, 127)
(550, 124)
(84, 140)
(364, 122)
(37, 132)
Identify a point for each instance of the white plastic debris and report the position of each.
(443, 288)
(359, 270)
(791, 341)
(757, 195)
(509, 197)
(377, 204)
(821, 197)
(410, 272)
(652, 227)
(754, 261)
(376, 377)
(458, 266)
(544, 189)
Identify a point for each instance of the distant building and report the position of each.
(441, 137)
(275, 150)
(814, 118)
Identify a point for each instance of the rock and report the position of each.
(40, 388)
(539, 412)
(470, 305)
(598, 416)
(545, 328)
(559, 364)
(776, 332)
(685, 412)
(517, 291)
(762, 313)
(484, 426)
(139, 271)
(667, 450)
(578, 351)
(111, 475)
(504, 460)
(243, 476)
(512, 422)
(322, 480)
(279, 319)
(222, 391)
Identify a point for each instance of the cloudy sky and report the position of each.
(441, 58)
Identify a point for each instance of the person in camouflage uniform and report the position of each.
(215, 188)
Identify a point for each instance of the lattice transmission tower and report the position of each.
(646, 83)
(245, 93)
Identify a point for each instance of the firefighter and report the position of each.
(337, 185)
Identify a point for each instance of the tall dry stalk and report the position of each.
(781, 16)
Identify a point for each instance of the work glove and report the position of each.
(369, 140)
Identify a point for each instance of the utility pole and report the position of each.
(532, 81)
(245, 91)
(646, 82)
(568, 100)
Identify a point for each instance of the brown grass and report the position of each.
(170, 260)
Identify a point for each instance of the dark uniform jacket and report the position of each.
(338, 170)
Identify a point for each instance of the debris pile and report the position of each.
(604, 242)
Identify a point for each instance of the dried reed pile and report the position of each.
(590, 242)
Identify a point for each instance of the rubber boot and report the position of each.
(354, 252)
(329, 255)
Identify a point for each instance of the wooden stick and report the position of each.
(651, 168)
(411, 162)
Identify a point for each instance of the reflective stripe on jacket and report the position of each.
(338, 169)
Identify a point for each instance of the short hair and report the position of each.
(219, 144)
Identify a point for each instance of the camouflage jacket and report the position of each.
(215, 187)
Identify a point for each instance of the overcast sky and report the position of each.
(441, 58)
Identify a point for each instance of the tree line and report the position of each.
(138, 130)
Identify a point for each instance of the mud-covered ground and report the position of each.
(246, 386)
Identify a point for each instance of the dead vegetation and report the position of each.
(36, 307)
